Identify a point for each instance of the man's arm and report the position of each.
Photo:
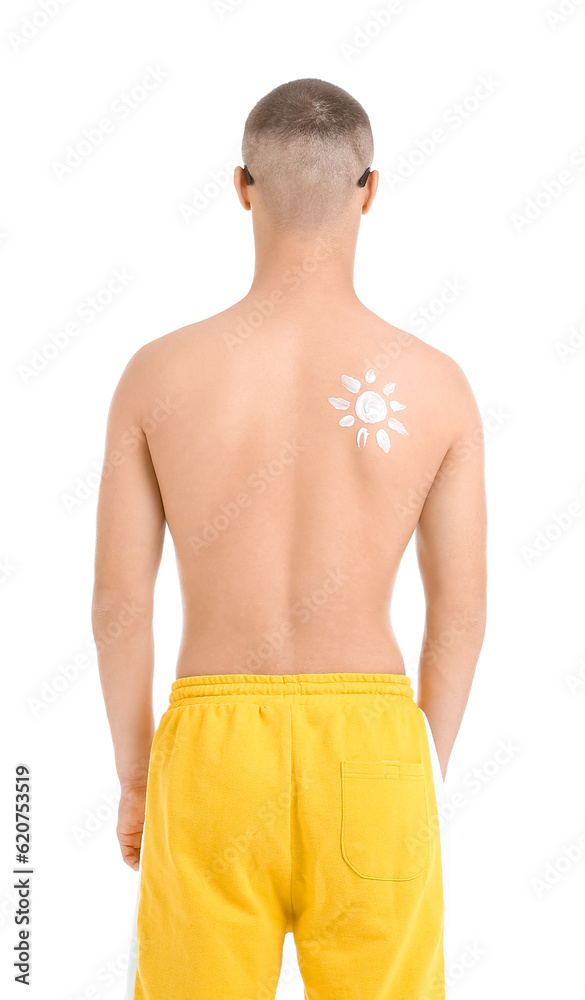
(130, 535)
(451, 551)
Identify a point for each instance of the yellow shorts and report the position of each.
(296, 802)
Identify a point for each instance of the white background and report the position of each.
(517, 899)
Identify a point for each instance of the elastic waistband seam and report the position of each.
(189, 689)
(277, 679)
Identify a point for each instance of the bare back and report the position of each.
(294, 461)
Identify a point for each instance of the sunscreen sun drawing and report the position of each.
(370, 408)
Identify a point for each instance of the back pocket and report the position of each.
(384, 818)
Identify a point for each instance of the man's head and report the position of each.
(306, 144)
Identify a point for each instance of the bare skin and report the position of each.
(288, 536)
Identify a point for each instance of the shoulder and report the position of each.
(160, 373)
(429, 360)
(162, 353)
(449, 392)
(169, 356)
(439, 384)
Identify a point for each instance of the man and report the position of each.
(292, 443)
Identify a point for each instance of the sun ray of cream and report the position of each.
(389, 388)
(383, 440)
(362, 435)
(353, 384)
(396, 406)
(397, 426)
(339, 404)
(370, 375)
(347, 421)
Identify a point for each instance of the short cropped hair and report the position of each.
(306, 144)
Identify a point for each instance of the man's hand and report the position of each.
(131, 823)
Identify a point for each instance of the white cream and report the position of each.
(370, 408)
(397, 426)
(351, 383)
(383, 440)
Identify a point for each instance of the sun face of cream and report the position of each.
(370, 408)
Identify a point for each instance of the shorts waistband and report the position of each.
(186, 689)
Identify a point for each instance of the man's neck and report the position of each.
(304, 268)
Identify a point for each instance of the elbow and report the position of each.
(469, 616)
(114, 613)
(474, 620)
(474, 613)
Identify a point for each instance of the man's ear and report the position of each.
(242, 188)
(370, 188)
